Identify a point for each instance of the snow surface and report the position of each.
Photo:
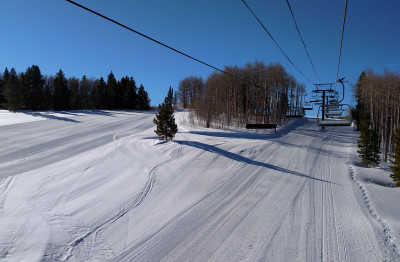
(100, 186)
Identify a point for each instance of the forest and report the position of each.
(258, 94)
(377, 116)
(31, 90)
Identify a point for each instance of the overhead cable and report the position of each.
(273, 39)
(302, 40)
(341, 42)
(150, 38)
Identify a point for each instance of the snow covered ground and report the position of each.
(100, 186)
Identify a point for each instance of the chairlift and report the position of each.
(333, 101)
(308, 106)
(334, 118)
(333, 108)
(333, 114)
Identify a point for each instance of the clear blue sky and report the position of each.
(55, 34)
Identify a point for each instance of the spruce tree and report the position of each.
(111, 92)
(368, 143)
(34, 86)
(61, 92)
(84, 93)
(3, 81)
(143, 99)
(170, 96)
(396, 163)
(98, 94)
(130, 93)
(165, 121)
(13, 92)
(374, 145)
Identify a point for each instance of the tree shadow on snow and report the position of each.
(50, 116)
(239, 158)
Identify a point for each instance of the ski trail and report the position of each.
(96, 231)
(388, 237)
(5, 186)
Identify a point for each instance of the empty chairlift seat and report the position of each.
(333, 116)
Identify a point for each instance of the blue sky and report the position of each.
(55, 34)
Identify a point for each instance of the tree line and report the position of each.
(31, 90)
(377, 116)
(259, 94)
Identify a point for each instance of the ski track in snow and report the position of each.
(392, 249)
(91, 238)
(222, 196)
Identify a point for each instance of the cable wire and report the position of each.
(341, 42)
(302, 40)
(273, 39)
(150, 38)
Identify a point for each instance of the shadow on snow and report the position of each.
(239, 158)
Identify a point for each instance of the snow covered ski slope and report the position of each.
(99, 186)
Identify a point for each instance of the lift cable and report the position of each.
(302, 40)
(273, 39)
(152, 39)
(341, 42)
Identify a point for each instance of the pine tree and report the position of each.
(84, 93)
(165, 121)
(130, 93)
(368, 143)
(396, 163)
(61, 92)
(111, 92)
(98, 94)
(34, 85)
(13, 92)
(175, 98)
(143, 99)
(170, 96)
(6, 75)
(374, 145)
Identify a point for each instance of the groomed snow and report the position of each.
(10, 118)
(100, 186)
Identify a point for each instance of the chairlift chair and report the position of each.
(335, 107)
(307, 106)
(333, 114)
(334, 118)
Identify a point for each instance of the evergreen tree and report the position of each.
(143, 99)
(355, 112)
(165, 121)
(84, 92)
(34, 85)
(175, 98)
(61, 92)
(74, 94)
(374, 148)
(368, 143)
(13, 92)
(130, 93)
(5, 76)
(396, 163)
(99, 93)
(170, 96)
(48, 95)
(111, 92)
